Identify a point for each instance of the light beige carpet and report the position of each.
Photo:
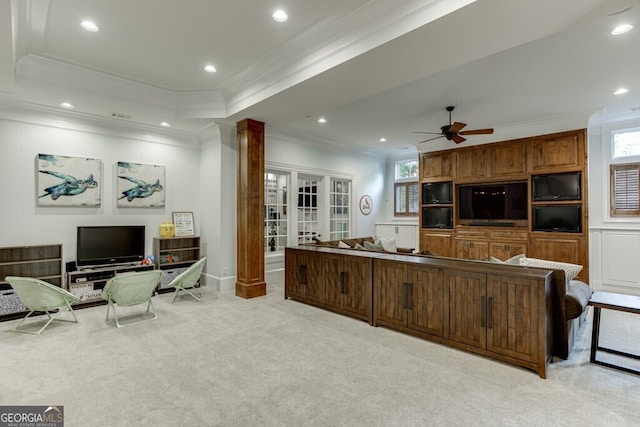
(227, 361)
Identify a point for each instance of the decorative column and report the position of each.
(250, 256)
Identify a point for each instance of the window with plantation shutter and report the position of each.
(625, 189)
(407, 199)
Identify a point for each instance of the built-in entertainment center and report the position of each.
(498, 200)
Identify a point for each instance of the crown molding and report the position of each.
(89, 123)
(340, 37)
(208, 104)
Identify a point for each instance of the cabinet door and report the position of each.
(406, 236)
(314, 279)
(426, 290)
(471, 163)
(390, 292)
(465, 305)
(505, 250)
(334, 279)
(438, 243)
(386, 231)
(294, 274)
(512, 317)
(467, 249)
(436, 166)
(357, 279)
(509, 160)
(563, 249)
(560, 153)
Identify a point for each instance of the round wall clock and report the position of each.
(366, 204)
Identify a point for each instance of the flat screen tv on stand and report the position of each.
(109, 245)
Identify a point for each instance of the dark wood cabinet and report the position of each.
(43, 262)
(465, 307)
(437, 166)
(518, 160)
(348, 284)
(409, 296)
(497, 310)
(304, 276)
(339, 280)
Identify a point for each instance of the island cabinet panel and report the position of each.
(340, 280)
(497, 310)
(465, 307)
(408, 296)
(513, 307)
(348, 283)
(305, 276)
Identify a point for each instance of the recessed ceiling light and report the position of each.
(621, 29)
(279, 16)
(210, 68)
(165, 124)
(67, 105)
(621, 91)
(322, 120)
(89, 26)
(383, 139)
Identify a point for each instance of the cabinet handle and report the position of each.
(343, 282)
(404, 295)
(410, 296)
(490, 312)
(483, 311)
(303, 274)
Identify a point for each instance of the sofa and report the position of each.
(570, 296)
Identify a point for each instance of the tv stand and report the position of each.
(87, 284)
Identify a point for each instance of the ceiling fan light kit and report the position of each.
(453, 131)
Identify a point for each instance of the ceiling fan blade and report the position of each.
(458, 139)
(430, 133)
(487, 131)
(431, 139)
(456, 127)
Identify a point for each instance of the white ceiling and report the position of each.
(373, 68)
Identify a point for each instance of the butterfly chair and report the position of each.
(187, 281)
(129, 289)
(39, 296)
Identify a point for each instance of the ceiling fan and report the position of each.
(453, 131)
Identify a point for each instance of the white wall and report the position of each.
(368, 173)
(23, 222)
(614, 242)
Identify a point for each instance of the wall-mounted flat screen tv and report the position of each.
(434, 193)
(104, 245)
(557, 218)
(493, 202)
(436, 217)
(557, 186)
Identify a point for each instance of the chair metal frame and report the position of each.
(107, 294)
(187, 280)
(42, 303)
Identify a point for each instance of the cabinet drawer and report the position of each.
(509, 235)
(481, 234)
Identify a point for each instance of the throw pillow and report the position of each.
(342, 244)
(570, 270)
(388, 244)
(372, 246)
(515, 260)
(358, 246)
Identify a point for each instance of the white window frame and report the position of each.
(406, 183)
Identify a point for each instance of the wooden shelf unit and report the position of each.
(503, 162)
(173, 255)
(43, 262)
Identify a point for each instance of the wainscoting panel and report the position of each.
(619, 261)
